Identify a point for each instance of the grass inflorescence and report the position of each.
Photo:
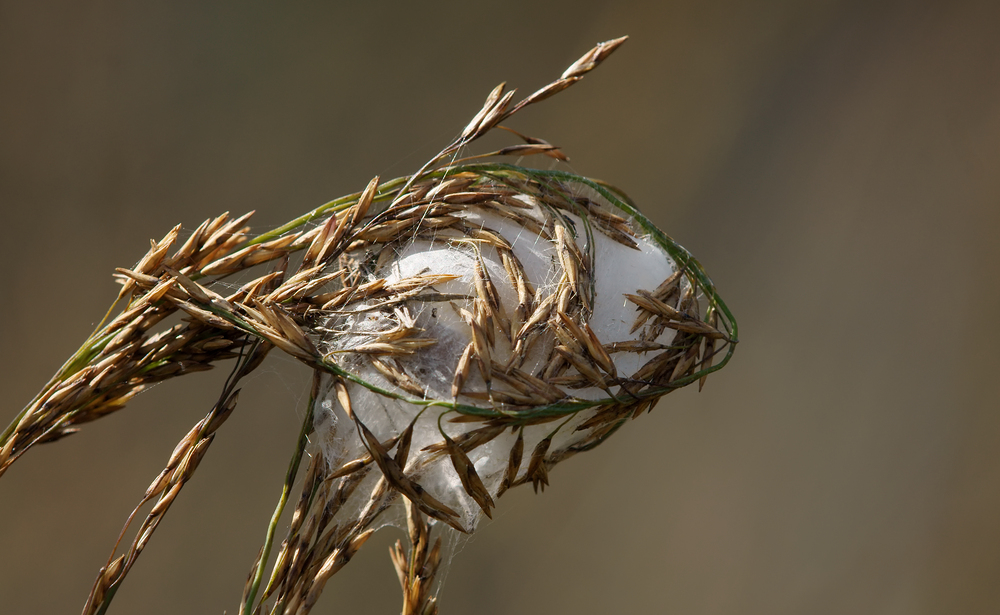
(533, 381)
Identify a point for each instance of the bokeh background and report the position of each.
(833, 164)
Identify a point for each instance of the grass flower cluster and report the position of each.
(468, 326)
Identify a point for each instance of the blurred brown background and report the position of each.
(833, 164)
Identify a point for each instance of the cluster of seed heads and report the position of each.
(526, 362)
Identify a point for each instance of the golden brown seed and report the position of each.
(556, 366)
(395, 375)
(585, 339)
(539, 316)
(462, 370)
(685, 363)
(597, 352)
(365, 201)
(470, 478)
(566, 258)
(454, 184)
(583, 365)
(350, 294)
(548, 391)
(635, 346)
(400, 347)
(513, 464)
(469, 440)
(483, 315)
(480, 347)
(537, 473)
(488, 236)
(618, 236)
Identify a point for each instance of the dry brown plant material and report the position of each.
(454, 319)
